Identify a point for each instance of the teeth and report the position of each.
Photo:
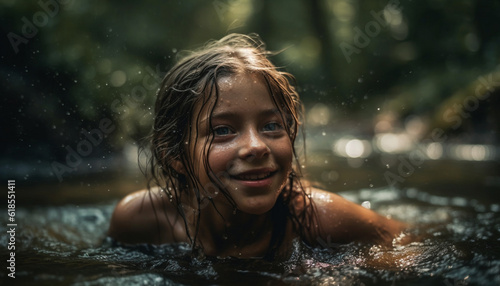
(254, 177)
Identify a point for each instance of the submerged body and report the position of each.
(142, 218)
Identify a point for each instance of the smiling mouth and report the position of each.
(253, 177)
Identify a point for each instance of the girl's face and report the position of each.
(251, 152)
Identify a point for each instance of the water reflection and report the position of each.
(393, 143)
(471, 152)
(402, 143)
(352, 148)
(434, 150)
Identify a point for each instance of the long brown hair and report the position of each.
(192, 84)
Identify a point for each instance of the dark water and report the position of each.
(458, 244)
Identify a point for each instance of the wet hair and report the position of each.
(192, 85)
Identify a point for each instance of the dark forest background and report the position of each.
(70, 67)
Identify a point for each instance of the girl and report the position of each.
(224, 172)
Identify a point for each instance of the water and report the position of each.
(457, 243)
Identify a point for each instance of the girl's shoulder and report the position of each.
(146, 216)
(334, 219)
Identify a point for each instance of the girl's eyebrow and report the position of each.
(235, 115)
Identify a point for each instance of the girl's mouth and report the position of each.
(253, 177)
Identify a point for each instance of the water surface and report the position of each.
(458, 244)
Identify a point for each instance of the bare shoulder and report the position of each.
(339, 220)
(145, 216)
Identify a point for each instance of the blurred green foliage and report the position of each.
(82, 61)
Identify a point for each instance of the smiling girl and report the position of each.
(224, 171)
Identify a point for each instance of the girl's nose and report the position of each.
(253, 146)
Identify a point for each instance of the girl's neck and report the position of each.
(228, 232)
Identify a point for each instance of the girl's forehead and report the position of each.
(229, 82)
(235, 93)
(241, 88)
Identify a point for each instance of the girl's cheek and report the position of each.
(283, 152)
(285, 147)
(220, 158)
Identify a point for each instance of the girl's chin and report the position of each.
(257, 207)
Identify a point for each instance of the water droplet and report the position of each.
(323, 133)
(378, 108)
(366, 204)
(360, 80)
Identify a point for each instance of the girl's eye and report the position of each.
(273, 126)
(222, 131)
